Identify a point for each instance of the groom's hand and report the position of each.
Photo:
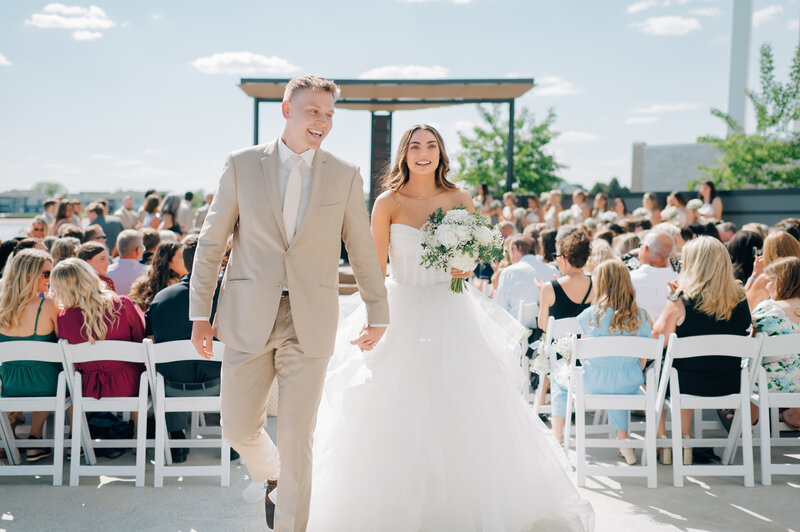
(203, 338)
(369, 337)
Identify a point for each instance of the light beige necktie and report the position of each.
(291, 200)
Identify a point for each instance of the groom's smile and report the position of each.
(309, 119)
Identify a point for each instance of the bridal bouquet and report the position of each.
(459, 239)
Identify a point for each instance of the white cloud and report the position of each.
(430, 1)
(103, 157)
(71, 18)
(243, 63)
(553, 86)
(641, 6)
(660, 108)
(579, 136)
(405, 72)
(154, 151)
(763, 16)
(641, 120)
(669, 25)
(156, 16)
(84, 35)
(706, 12)
(4, 61)
(793, 25)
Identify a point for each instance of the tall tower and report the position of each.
(740, 59)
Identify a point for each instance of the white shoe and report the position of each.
(687, 456)
(664, 453)
(255, 492)
(628, 454)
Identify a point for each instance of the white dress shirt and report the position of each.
(517, 283)
(124, 272)
(651, 288)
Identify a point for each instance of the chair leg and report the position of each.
(58, 441)
(747, 432)
(225, 478)
(77, 436)
(766, 441)
(568, 420)
(649, 452)
(580, 437)
(141, 440)
(10, 446)
(677, 433)
(160, 450)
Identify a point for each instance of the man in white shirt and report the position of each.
(517, 283)
(200, 215)
(127, 268)
(185, 214)
(126, 214)
(651, 278)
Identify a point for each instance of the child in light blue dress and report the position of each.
(614, 313)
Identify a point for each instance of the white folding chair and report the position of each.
(555, 328)
(740, 347)
(623, 346)
(527, 314)
(106, 350)
(774, 348)
(173, 352)
(40, 352)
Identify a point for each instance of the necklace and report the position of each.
(409, 196)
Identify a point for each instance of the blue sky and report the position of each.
(144, 94)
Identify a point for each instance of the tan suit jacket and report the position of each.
(248, 205)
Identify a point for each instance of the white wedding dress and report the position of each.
(429, 431)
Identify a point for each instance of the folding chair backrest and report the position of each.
(178, 350)
(779, 346)
(528, 312)
(100, 350)
(29, 350)
(622, 346)
(556, 328)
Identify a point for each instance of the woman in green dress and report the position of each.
(27, 314)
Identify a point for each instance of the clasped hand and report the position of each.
(369, 337)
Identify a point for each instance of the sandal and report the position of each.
(726, 417)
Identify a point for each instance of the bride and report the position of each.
(428, 430)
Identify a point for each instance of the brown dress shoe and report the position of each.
(269, 506)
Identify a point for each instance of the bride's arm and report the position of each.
(382, 212)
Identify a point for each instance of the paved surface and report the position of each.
(200, 504)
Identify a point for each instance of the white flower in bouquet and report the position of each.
(563, 346)
(670, 213)
(496, 204)
(477, 203)
(694, 204)
(641, 213)
(564, 217)
(519, 212)
(590, 222)
(608, 217)
(459, 239)
(540, 364)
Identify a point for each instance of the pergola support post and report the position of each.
(380, 150)
(510, 154)
(256, 101)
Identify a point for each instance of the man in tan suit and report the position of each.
(288, 205)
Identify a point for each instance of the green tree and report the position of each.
(612, 188)
(483, 158)
(769, 158)
(50, 188)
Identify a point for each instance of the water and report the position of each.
(12, 228)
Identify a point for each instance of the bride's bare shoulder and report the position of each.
(459, 197)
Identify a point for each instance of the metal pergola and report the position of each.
(382, 97)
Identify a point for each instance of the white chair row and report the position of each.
(653, 401)
(146, 353)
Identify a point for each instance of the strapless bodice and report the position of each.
(405, 250)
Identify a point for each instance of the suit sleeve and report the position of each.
(217, 227)
(363, 257)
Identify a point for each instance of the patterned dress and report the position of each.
(783, 374)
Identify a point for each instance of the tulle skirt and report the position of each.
(430, 432)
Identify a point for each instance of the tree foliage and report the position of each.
(612, 188)
(769, 158)
(50, 188)
(483, 158)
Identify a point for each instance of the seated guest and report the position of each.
(167, 269)
(726, 230)
(95, 233)
(516, 283)
(96, 212)
(64, 248)
(743, 248)
(614, 312)
(547, 246)
(601, 252)
(70, 230)
(781, 315)
(63, 215)
(565, 297)
(29, 243)
(151, 238)
(127, 267)
(26, 315)
(92, 312)
(651, 279)
(37, 228)
(96, 256)
(169, 214)
(166, 320)
(777, 245)
(126, 214)
(709, 301)
(6, 250)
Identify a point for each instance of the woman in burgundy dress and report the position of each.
(91, 312)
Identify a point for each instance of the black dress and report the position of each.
(710, 376)
(563, 306)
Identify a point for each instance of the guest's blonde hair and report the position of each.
(601, 252)
(707, 276)
(76, 285)
(310, 81)
(18, 285)
(614, 290)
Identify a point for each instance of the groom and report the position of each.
(289, 205)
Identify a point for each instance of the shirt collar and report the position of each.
(285, 153)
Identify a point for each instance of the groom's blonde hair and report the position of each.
(310, 81)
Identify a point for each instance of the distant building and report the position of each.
(670, 166)
(30, 202)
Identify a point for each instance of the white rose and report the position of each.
(456, 216)
(484, 235)
(463, 232)
(463, 262)
(446, 236)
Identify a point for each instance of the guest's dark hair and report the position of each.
(189, 196)
(786, 228)
(711, 230)
(97, 208)
(547, 239)
(686, 233)
(742, 248)
(524, 244)
(189, 247)
(26, 243)
(606, 235)
(6, 249)
(149, 192)
(712, 191)
(92, 232)
(70, 230)
(680, 197)
(151, 203)
(158, 277)
(151, 238)
(89, 250)
(615, 228)
(61, 213)
(698, 229)
(576, 248)
(644, 225)
(628, 226)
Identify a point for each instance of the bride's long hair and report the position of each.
(397, 176)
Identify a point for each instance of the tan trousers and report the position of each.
(246, 381)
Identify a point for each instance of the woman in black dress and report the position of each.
(709, 301)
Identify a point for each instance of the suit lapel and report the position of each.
(319, 169)
(270, 167)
